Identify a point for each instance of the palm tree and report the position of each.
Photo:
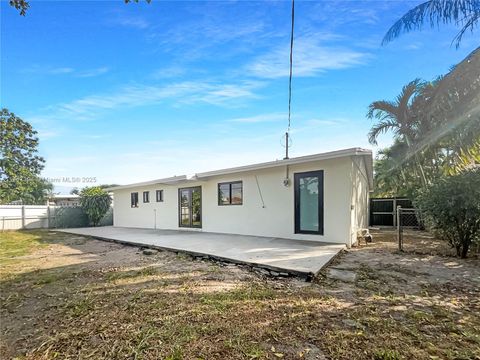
(448, 113)
(391, 172)
(397, 116)
(465, 13)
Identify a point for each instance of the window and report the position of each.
(230, 193)
(159, 194)
(134, 199)
(146, 196)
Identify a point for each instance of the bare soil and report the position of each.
(73, 297)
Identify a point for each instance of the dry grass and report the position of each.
(82, 305)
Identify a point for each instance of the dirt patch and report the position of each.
(76, 297)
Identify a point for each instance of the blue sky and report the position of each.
(128, 93)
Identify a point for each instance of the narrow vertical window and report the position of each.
(308, 188)
(146, 196)
(159, 195)
(134, 199)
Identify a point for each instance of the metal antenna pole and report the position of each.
(290, 81)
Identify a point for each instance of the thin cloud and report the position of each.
(97, 136)
(310, 59)
(133, 22)
(325, 122)
(63, 70)
(168, 72)
(47, 70)
(273, 117)
(45, 134)
(93, 72)
(312, 125)
(51, 70)
(417, 45)
(337, 14)
(88, 107)
(214, 23)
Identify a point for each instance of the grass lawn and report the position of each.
(15, 244)
(71, 297)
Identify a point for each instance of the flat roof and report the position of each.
(61, 196)
(283, 162)
(166, 181)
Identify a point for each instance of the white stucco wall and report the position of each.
(360, 197)
(276, 219)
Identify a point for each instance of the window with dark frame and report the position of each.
(230, 193)
(146, 196)
(159, 195)
(134, 199)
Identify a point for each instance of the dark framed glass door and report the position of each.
(190, 207)
(308, 188)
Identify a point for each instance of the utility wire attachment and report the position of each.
(286, 143)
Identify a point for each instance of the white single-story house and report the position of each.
(320, 197)
(71, 200)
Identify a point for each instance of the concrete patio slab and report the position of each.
(303, 258)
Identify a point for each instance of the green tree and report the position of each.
(39, 194)
(463, 13)
(19, 163)
(436, 128)
(392, 175)
(95, 203)
(451, 207)
(449, 114)
(397, 116)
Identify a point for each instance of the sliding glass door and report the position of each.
(309, 202)
(190, 207)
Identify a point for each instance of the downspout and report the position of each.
(155, 219)
(351, 207)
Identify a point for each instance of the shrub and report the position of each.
(451, 207)
(95, 203)
(382, 354)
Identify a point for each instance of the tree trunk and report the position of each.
(415, 156)
(458, 248)
(466, 246)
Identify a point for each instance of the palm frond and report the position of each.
(21, 5)
(470, 24)
(403, 100)
(381, 127)
(408, 91)
(382, 110)
(434, 13)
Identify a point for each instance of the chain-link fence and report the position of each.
(409, 222)
(68, 217)
(72, 217)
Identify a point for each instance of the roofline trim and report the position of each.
(266, 165)
(284, 162)
(165, 181)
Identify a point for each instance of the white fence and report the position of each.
(15, 217)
